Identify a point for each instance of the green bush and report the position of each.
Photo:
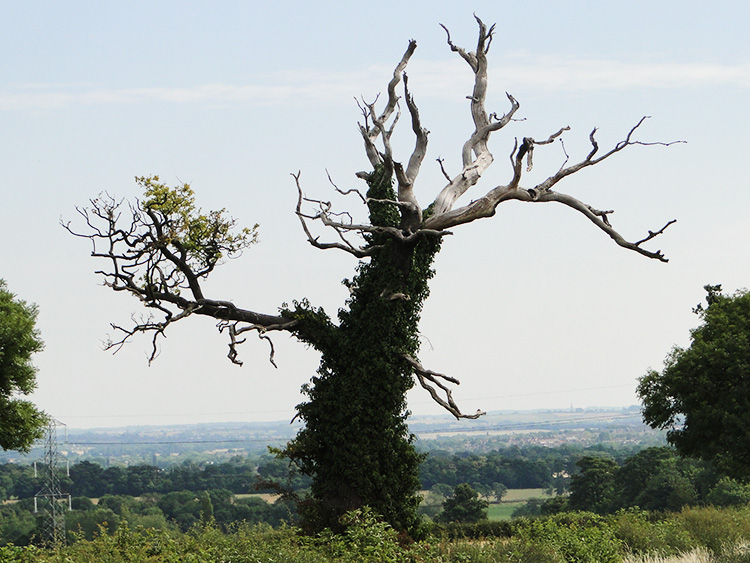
(644, 532)
(579, 537)
(479, 530)
(716, 528)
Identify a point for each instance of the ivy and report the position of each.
(356, 442)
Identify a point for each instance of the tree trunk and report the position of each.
(356, 443)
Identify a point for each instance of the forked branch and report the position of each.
(161, 250)
(430, 379)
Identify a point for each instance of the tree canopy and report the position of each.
(464, 506)
(20, 421)
(702, 395)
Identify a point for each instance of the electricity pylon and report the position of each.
(54, 503)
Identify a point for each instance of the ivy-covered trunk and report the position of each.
(356, 443)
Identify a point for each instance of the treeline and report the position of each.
(512, 467)
(654, 479)
(530, 467)
(87, 479)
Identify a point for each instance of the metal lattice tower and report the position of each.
(51, 501)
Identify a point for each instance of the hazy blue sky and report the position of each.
(534, 308)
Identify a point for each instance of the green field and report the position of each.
(512, 500)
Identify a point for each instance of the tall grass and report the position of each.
(700, 555)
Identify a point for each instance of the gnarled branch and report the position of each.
(161, 250)
(427, 377)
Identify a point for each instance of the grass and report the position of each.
(502, 511)
(700, 555)
(522, 495)
(513, 499)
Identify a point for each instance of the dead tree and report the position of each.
(355, 442)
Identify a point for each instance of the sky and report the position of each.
(533, 308)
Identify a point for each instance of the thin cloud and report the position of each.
(573, 75)
(435, 80)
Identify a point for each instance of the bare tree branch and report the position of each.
(155, 254)
(371, 133)
(427, 377)
(475, 154)
(476, 159)
(162, 252)
(346, 192)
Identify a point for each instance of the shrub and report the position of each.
(580, 537)
(715, 528)
(644, 532)
(479, 530)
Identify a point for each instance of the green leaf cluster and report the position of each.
(20, 421)
(464, 506)
(204, 237)
(702, 396)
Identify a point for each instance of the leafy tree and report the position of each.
(729, 492)
(637, 470)
(90, 523)
(21, 423)
(183, 507)
(499, 491)
(355, 442)
(702, 396)
(464, 506)
(531, 508)
(593, 488)
(87, 479)
(207, 507)
(81, 503)
(116, 503)
(668, 490)
(554, 505)
(17, 524)
(442, 489)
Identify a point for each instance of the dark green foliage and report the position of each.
(532, 507)
(593, 488)
(655, 479)
(17, 523)
(669, 490)
(728, 492)
(554, 505)
(187, 509)
(513, 468)
(81, 503)
(356, 443)
(702, 396)
(21, 424)
(635, 473)
(464, 506)
(579, 537)
(477, 530)
(89, 523)
(239, 476)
